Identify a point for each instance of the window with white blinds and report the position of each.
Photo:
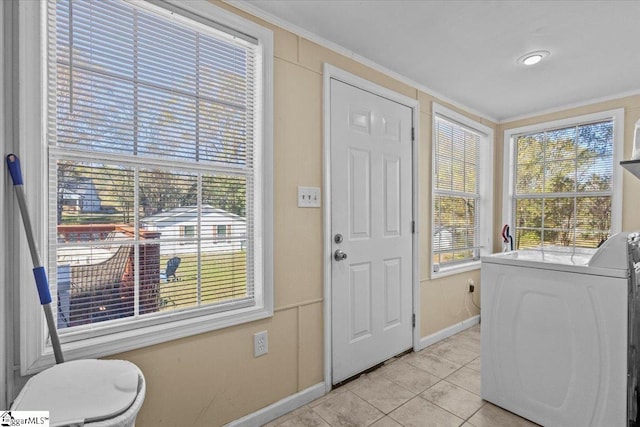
(563, 186)
(155, 166)
(456, 193)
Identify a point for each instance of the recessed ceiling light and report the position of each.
(533, 58)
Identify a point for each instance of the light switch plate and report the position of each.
(308, 197)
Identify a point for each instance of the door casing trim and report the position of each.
(332, 72)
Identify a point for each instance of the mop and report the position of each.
(84, 402)
(38, 270)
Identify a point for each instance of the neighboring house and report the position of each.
(221, 230)
(442, 239)
(79, 194)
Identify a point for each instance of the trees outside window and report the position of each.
(563, 186)
(563, 183)
(462, 191)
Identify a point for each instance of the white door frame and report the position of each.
(330, 72)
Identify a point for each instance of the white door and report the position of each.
(371, 223)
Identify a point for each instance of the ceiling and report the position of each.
(466, 51)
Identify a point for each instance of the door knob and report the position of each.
(339, 255)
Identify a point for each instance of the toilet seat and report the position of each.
(81, 391)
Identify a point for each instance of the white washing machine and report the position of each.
(560, 334)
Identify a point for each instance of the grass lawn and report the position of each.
(223, 277)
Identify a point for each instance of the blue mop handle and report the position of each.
(39, 272)
(43, 285)
(14, 169)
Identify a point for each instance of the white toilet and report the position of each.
(89, 392)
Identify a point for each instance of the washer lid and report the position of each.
(81, 391)
(555, 260)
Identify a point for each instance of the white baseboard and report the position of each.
(293, 402)
(280, 408)
(447, 332)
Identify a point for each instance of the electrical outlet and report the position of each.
(260, 343)
(308, 197)
(472, 285)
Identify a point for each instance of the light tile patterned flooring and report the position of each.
(436, 387)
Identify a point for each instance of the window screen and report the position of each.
(455, 194)
(563, 186)
(151, 135)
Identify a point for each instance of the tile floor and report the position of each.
(438, 386)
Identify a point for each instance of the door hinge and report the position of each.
(413, 320)
(413, 134)
(413, 227)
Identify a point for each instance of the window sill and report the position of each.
(451, 270)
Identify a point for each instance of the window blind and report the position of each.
(151, 134)
(563, 186)
(456, 225)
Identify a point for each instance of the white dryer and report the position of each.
(560, 334)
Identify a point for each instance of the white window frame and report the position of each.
(509, 166)
(35, 353)
(485, 187)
